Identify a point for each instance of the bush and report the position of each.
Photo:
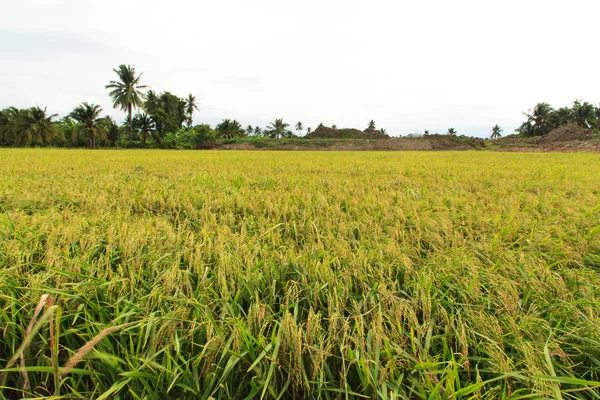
(194, 138)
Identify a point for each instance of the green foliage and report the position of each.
(168, 111)
(91, 126)
(126, 92)
(278, 129)
(197, 137)
(190, 106)
(496, 132)
(543, 118)
(144, 126)
(28, 127)
(229, 129)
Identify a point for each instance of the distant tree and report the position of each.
(151, 101)
(278, 128)
(562, 116)
(126, 93)
(452, 131)
(496, 132)
(371, 126)
(168, 111)
(308, 130)
(113, 131)
(229, 129)
(144, 125)
(190, 106)
(299, 127)
(583, 114)
(91, 125)
(333, 126)
(383, 131)
(258, 131)
(320, 125)
(426, 132)
(8, 129)
(35, 125)
(249, 130)
(539, 121)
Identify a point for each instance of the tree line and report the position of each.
(543, 118)
(166, 120)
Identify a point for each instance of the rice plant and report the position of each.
(216, 275)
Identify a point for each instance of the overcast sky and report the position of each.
(409, 65)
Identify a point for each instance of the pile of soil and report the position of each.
(324, 132)
(568, 133)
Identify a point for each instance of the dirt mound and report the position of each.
(567, 133)
(324, 132)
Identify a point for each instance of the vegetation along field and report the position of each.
(332, 275)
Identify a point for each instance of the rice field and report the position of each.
(330, 275)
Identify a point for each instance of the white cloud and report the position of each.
(408, 65)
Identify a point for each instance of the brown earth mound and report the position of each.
(324, 132)
(567, 133)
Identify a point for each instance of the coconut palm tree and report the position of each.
(113, 131)
(299, 127)
(9, 126)
(91, 125)
(539, 121)
(126, 93)
(371, 126)
(258, 131)
(145, 126)
(34, 125)
(583, 114)
(151, 101)
(190, 106)
(496, 130)
(249, 130)
(229, 129)
(334, 126)
(278, 128)
(452, 131)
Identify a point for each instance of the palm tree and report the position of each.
(496, 130)
(33, 124)
(229, 129)
(190, 106)
(91, 125)
(426, 132)
(258, 131)
(452, 131)
(334, 126)
(583, 113)
(126, 92)
(144, 125)
(9, 118)
(308, 130)
(371, 126)
(278, 128)
(249, 130)
(113, 131)
(151, 101)
(539, 121)
(299, 126)
(383, 131)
